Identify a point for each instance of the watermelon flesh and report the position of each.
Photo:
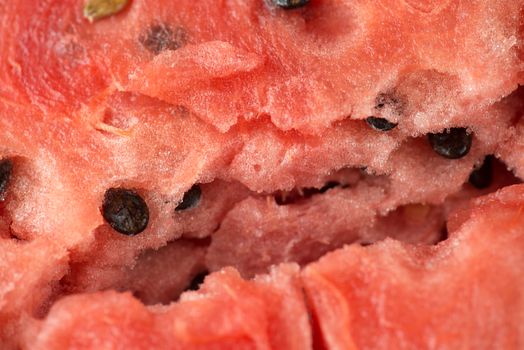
(388, 295)
(263, 109)
(258, 64)
(266, 313)
(440, 297)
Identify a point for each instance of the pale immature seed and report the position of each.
(97, 9)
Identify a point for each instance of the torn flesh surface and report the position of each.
(307, 160)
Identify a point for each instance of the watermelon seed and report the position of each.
(97, 9)
(197, 280)
(191, 198)
(452, 144)
(380, 124)
(161, 37)
(290, 4)
(125, 211)
(482, 176)
(6, 169)
(385, 104)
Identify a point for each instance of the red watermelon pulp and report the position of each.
(345, 171)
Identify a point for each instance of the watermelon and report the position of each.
(388, 295)
(147, 143)
(397, 296)
(227, 312)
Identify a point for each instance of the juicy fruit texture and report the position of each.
(261, 69)
(263, 109)
(407, 297)
(390, 295)
(226, 313)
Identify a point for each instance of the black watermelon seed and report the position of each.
(380, 124)
(125, 211)
(6, 169)
(290, 4)
(197, 280)
(452, 144)
(191, 198)
(482, 176)
(161, 37)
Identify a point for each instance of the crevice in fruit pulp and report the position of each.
(343, 179)
(298, 195)
(57, 292)
(197, 280)
(164, 288)
(155, 277)
(182, 255)
(410, 219)
(495, 177)
(317, 340)
(444, 234)
(413, 223)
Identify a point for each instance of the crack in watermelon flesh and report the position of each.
(389, 295)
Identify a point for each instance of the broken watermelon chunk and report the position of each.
(226, 313)
(465, 292)
(388, 295)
